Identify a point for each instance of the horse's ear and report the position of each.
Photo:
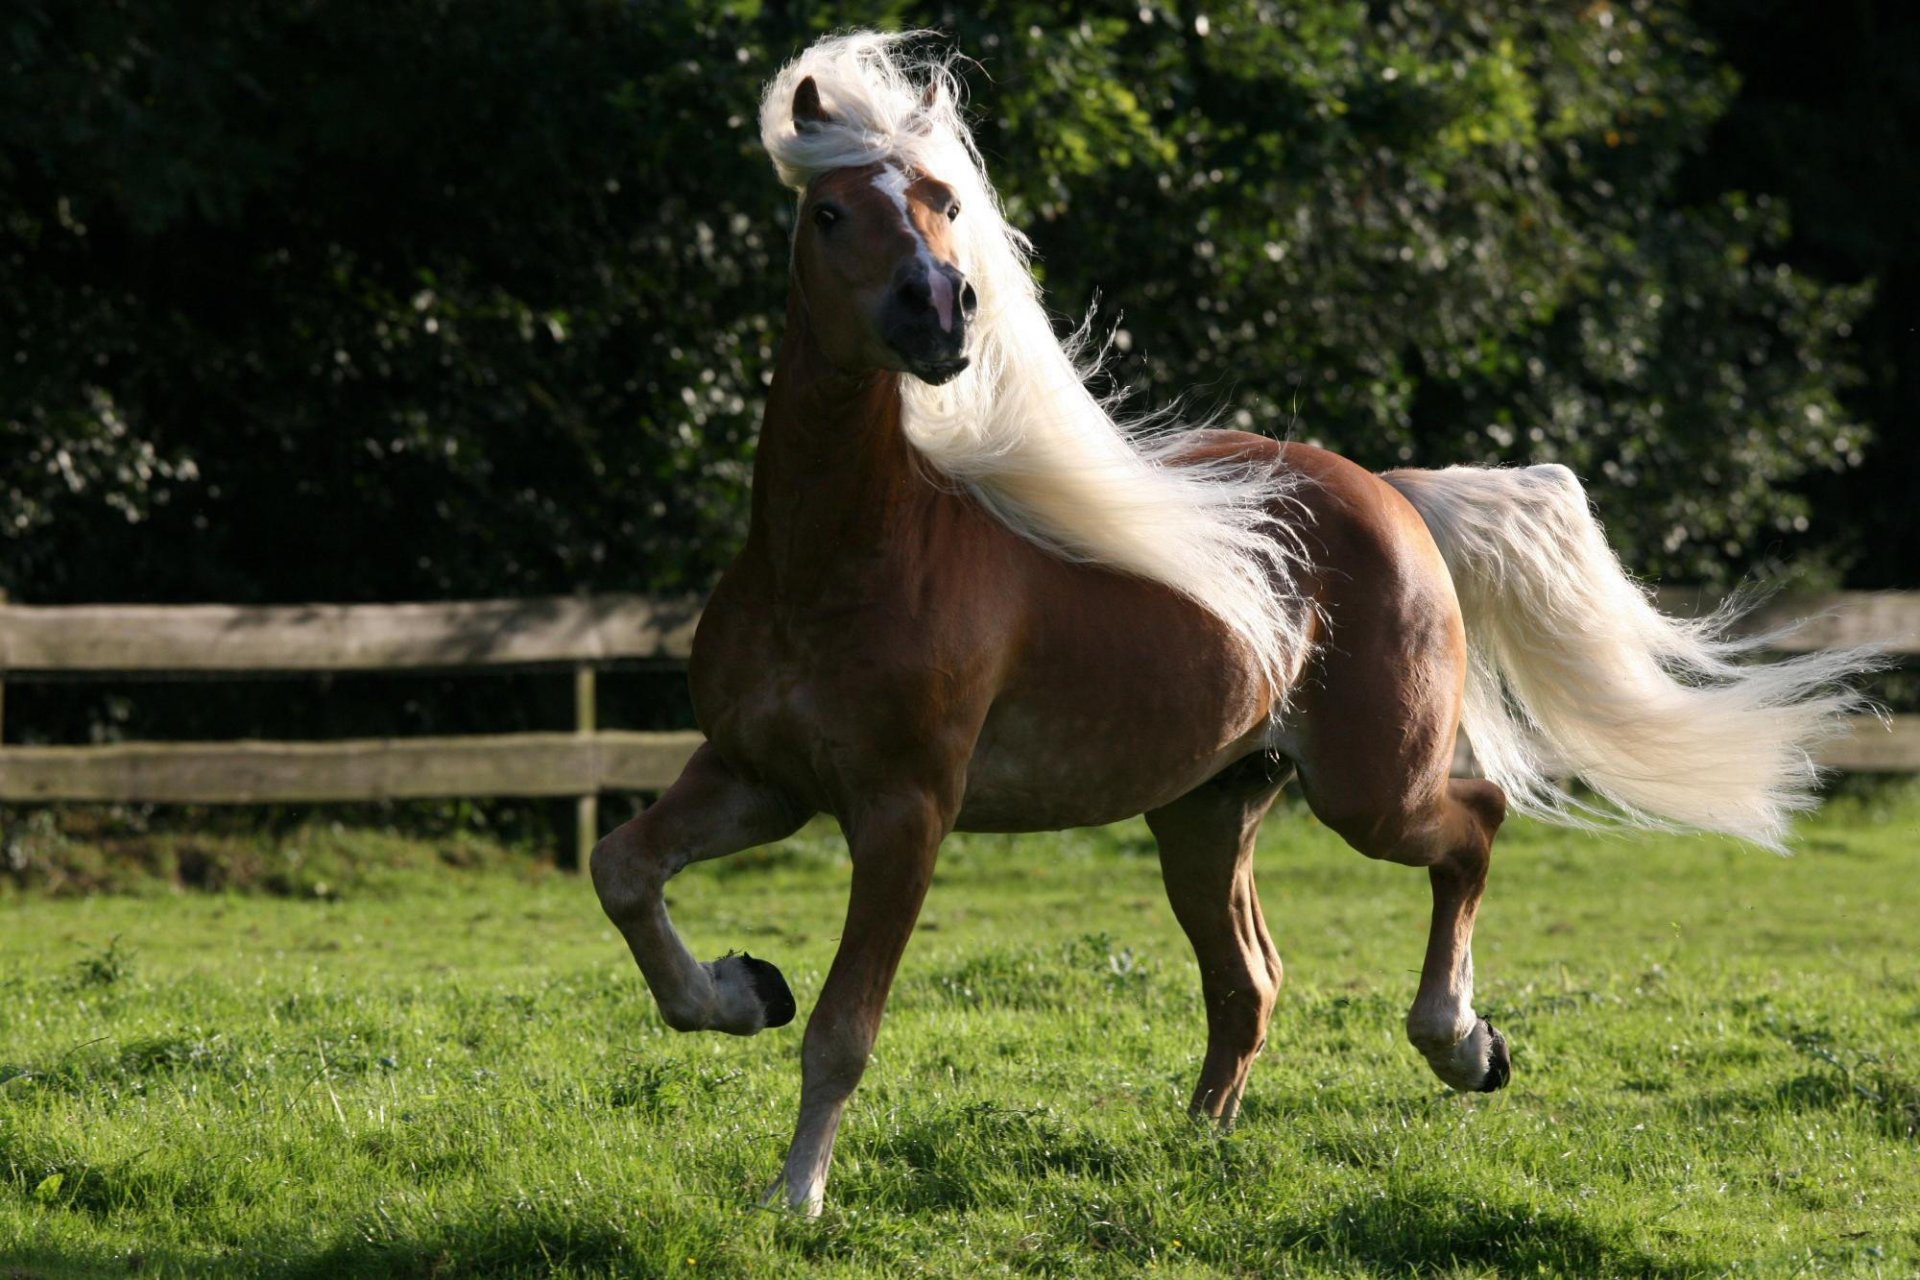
(807, 111)
(931, 96)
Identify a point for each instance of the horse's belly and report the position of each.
(1035, 771)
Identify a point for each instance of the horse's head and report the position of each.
(873, 259)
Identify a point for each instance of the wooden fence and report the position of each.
(577, 633)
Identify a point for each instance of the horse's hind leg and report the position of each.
(709, 812)
(1407, 810)
(1206, 858)
(1372, 733)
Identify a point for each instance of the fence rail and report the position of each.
(580, 633)
(552, 630)
(577, 633)
(506, 764)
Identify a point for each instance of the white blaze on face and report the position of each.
(894, 183)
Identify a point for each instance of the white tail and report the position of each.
(1573, 671)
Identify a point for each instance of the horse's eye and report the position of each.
(824, 216)
(953, 211)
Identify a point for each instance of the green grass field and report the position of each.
(394, 1066)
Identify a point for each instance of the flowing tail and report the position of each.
(1573, 671)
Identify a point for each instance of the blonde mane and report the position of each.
(1019, 429)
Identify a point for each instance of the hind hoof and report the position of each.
(1476, 1063)
(1499, 1063)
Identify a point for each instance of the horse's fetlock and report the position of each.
(683, 1015)
(1439, 1031)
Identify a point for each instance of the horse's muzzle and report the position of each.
(925, 320)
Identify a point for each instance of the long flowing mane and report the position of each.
(1020, 429)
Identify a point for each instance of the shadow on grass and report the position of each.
(1407, 1231)
(540, 1245)
(1883, 1101)
(509, 1248)
(1844, 1080)
(39, 1263)
(1429, 1230)
(943, 1162)
(527, 1239)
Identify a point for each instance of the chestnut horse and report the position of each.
(971, 600)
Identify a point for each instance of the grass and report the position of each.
(406, 1068)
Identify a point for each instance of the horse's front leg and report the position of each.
(708, 813)
(893, 844)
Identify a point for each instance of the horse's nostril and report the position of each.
(969, 300)
(916, 292)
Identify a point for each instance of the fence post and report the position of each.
(586, 806)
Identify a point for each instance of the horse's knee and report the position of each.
(680, 1012)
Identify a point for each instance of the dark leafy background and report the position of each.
(341, 300)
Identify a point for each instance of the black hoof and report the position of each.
(1499, 1064)
(777, 997)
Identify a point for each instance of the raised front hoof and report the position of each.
(1477, 1063)
(752, 995)
(776, 997)
(1499, 1062)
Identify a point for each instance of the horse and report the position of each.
(971, 598)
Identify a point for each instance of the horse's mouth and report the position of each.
(938, 372)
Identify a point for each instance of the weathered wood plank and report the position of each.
(521, 764)
(569, 629)
(1872, 746)
(333, 637)
(1829, 620)
(527, 764)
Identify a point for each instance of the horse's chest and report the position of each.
(753, 699)
(797, 703)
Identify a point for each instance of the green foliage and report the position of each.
(356, 301)
(457, 1072)
(348, 300)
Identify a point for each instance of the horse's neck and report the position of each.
(834, 478)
